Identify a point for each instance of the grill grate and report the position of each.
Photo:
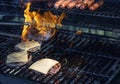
(84, 60)
(109, 9)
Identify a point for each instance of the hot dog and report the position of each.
(72, 4)
(89, 3)
(83, 6)
(79, 1)
(58, 3)
(86, 1)
(78, 5)
(36, 0)
(65, 3)
(96, 5)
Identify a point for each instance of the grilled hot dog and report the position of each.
(96, 5)
(72, 4)
(83, 6)
(89, 3)
(79, 3)
(65, 3)
(86, 1)
(58, 3)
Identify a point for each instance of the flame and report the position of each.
(41, 22)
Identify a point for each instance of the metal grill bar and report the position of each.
(10, 35)
(77, 67)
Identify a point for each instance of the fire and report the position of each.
(41, 22)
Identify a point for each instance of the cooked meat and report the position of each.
(29, 46)
(65, 3)
(78, 5)
(18, 58)
(86, 1)
(72, 4)
(83, 6)
(46, 66)
(40, 36)
(96, 5)
(79, 1)
(89, 3)
(55, 69)
(58, 3)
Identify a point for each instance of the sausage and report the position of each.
(96, 5)
(54, 69)
(72, 4)
(58, 3)
(83, 6)
(36, 0)
(65, 3)
(78, 5)
(89, 3)
(86, 1)
(79, 1)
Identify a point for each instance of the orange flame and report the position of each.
(40, 22)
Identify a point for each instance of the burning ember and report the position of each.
(42, 26)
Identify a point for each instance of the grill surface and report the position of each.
(109, 9)
(84, 60)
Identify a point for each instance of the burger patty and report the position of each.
(54, 69)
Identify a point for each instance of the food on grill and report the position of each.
(55, 69)
(72, 4)
(96, 5)
(86, 1)
(89, 3)
(83, 6)
(43, 35)
(65, 3)
(58, 3)
(38, 0)
(43, 23)
(46, 66)
(28, 46)
(78, 5)
(79, 1)
(18, 58)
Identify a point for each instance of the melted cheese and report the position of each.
(28, 45)
(43, 65)
(17, 57)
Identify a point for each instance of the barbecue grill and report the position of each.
(90, 57)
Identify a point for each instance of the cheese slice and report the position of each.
(28, 45)
(43, 65)
(17, 57)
